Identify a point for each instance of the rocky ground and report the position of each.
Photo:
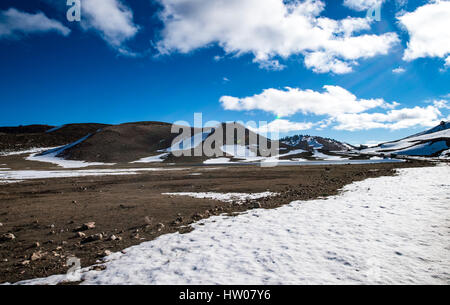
(44, 222)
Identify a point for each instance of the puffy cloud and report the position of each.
(428, 30)
(342, 110)
(362, 5)
(398, 70)
(334, 100)
(280, 125)
(269, 30)
(394, 119)
(441, 104)
(321, 62)
(14, 23)
(112, 19)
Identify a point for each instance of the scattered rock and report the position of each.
(256, 205)
(160, 227)
(136, 236)
(112, 238)
(86, 226)
(148, 220)
(107, 253)
(92, 238)
(1, 225)
(37, 256)
(36, 245)
(197, 216)
(25, 263)
(80, 235)
(99, 268)
(7, 237)
(177, 221)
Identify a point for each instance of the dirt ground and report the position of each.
(44, 215)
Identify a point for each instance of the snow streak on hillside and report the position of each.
(387, 230)
(53, 156)
(429, 143)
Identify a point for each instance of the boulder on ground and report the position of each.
(37, 256)
(85, 227)
(7, 237)
(92, 238)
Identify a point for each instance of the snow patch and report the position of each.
(189, 143)
(21, 175)
(153, 159)
(217, 161)
(225, 197)
(55, 129)
(292, 152)
(28, 151)
(445, 154)
(317, 154)
(238, 151)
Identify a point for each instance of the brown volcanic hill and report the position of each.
(132, 141)
(123, 143)
(25, 129)
(31, 136)
(250, 137)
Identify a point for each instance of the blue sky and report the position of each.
(306, 67)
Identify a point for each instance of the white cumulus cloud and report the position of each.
(398, 70)
(334, 100)
(342, 110)
(362, 5)
(428, 27)
(111, 19)
(393, 119)
(281, 125)
(441, 104)
(14, 24)
(270, 30)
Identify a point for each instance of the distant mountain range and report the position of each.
(154, 142)
(309, 143)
